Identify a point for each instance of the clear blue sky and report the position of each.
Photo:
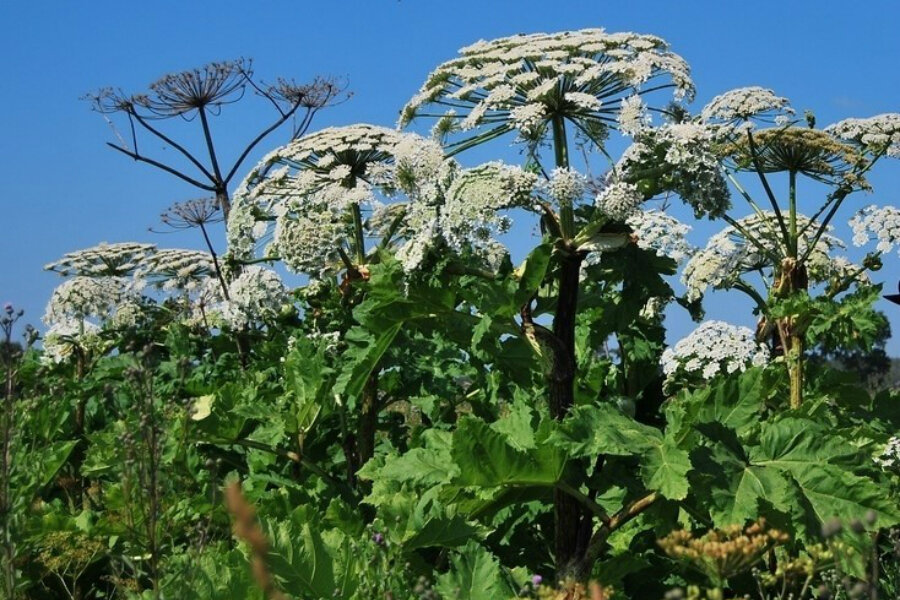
(63, 189)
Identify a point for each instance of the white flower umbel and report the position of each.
(880, 133)
(633, 116)
(685, 151)
(307, 192)
(714, 348)
(744, 104)
(308, 241)
(173, 269)
(664, 234)
(731, 253)
(566, 186)
(522, 82)
(619, 200)
(469, 214)
(68, 337)
(881, 224)
(257, 295)
(104, 259)
(87, 297)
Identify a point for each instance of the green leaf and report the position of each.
(516, 425)
(442, 532)
(486, 459)
(361, 359)
(298, 557)
(729, 485)
(474, 574)
(52, 458)
(603, 429)
(735, 402)
(665, 468)
(306, 379)
(532, 272)
(796, 466)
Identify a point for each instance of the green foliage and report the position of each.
(457, 431)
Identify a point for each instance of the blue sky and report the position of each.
(63, 189)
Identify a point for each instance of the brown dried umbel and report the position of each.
(723, 553)
(192, 213)
(201, 92)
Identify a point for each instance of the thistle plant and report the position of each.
(791, 250)
(197, 95)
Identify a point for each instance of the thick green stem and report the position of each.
(561, 150)
(793, 243)
(569, 515)
(368, 420)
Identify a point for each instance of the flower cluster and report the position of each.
(109, 278)
(69, 336)
(880, 133)
(714, 347)
(522, 82)
(619, 200)
(690, 166)
(468, 213)
(83, 297)
(311, 188)
(114, 260)
(755, 244)
(566, 186)
(802, 150)
(175, 269)
(256, 295)
(319, 176)
(879, 223)
(743, 104)
(664, 234)
(633, 116)
(890, 456)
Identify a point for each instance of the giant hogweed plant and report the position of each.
(793, 254)
(434, 421)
